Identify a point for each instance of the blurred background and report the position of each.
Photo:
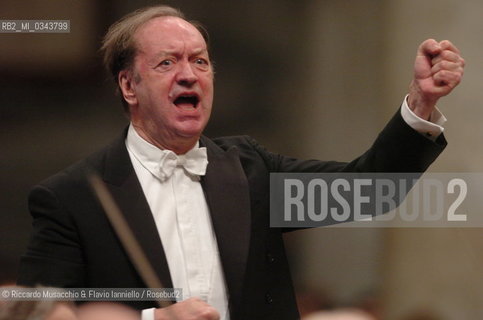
(307, 78)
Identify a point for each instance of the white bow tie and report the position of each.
(193, 162)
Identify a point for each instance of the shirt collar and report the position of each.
(147, 154)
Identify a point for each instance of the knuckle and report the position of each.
(195, 300)
(208, 313)
(445, 43)
(444, 65)
(441, 74)
(448, 55)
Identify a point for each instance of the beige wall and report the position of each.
(439, 269)
(341, 116)
(362, 57)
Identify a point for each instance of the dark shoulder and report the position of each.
(242, 141)
(76, 173)
(248, 148)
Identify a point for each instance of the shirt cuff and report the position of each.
(430, 129)
(147, 314)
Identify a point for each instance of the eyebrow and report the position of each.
(168, 52)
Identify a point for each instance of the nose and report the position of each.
(185, 75)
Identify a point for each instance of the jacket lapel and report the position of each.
(122, 182)
(226, 190)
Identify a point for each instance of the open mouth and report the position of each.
(187, 101)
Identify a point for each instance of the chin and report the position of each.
(190, 133)
(190, 130)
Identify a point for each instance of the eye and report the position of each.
(202, 63)
(166, 64)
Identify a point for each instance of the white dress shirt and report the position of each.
(431, 129)
(183, 220)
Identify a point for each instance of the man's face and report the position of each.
(171, 82)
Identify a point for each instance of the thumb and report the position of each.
(425, 54)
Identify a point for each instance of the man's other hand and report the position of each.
(191, 309)
(438, 69)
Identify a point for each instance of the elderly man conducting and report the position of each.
(199, 207)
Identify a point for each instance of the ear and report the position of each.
(127, 86)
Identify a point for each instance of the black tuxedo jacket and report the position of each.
(73, 244)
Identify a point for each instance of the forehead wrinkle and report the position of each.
(177, 53)
(163, 48)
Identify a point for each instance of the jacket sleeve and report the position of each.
(53, 254)
(398, 148)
